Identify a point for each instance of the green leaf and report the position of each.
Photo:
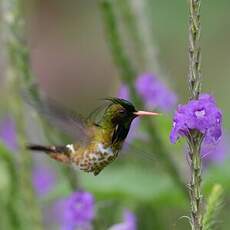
(213, 206)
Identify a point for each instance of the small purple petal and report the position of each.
(215, 153)
(123, 92)
(155, 93)
(129, 222)
(44, 179)
(76, 211)
(8, 133)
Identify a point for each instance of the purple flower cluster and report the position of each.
(78, 211)
(8, 133)
(155, 93)
(129, 222)
(202, 115)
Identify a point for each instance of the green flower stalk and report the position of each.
(196, 139)
(195, 182)
(194, 49)
(129, 18)
(198, 120)
(12, 198)
(138, 26)
(18, 69)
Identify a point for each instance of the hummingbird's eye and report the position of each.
(122, 111)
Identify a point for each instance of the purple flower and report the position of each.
(215, 154)
(202, 115)
(155, 93)
(44, 179)
(8, 133)
(77, 211)
(129, 222)
(123, 92)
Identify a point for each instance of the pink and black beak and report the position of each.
(145, 113)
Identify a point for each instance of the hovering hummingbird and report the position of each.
(99, 142)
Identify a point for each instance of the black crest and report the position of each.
(124, 103)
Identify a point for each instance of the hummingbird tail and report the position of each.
(60, 153)
(40, 148)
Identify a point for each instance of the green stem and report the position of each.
(143, 39)
(120, 58)
(13, 194)
(13, 29)
(128, 75)
(195, 185)
(195, 140)
(27, 193)
(194, 75)
(129, 19)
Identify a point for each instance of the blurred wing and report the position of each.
(96, 114)
(138, 151)
(66, 120)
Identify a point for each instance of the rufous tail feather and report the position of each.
(60, 153)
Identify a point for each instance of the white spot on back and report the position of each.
(70, 147)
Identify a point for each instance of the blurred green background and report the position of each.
(72, 62)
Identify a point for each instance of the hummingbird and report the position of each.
(99, 142)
